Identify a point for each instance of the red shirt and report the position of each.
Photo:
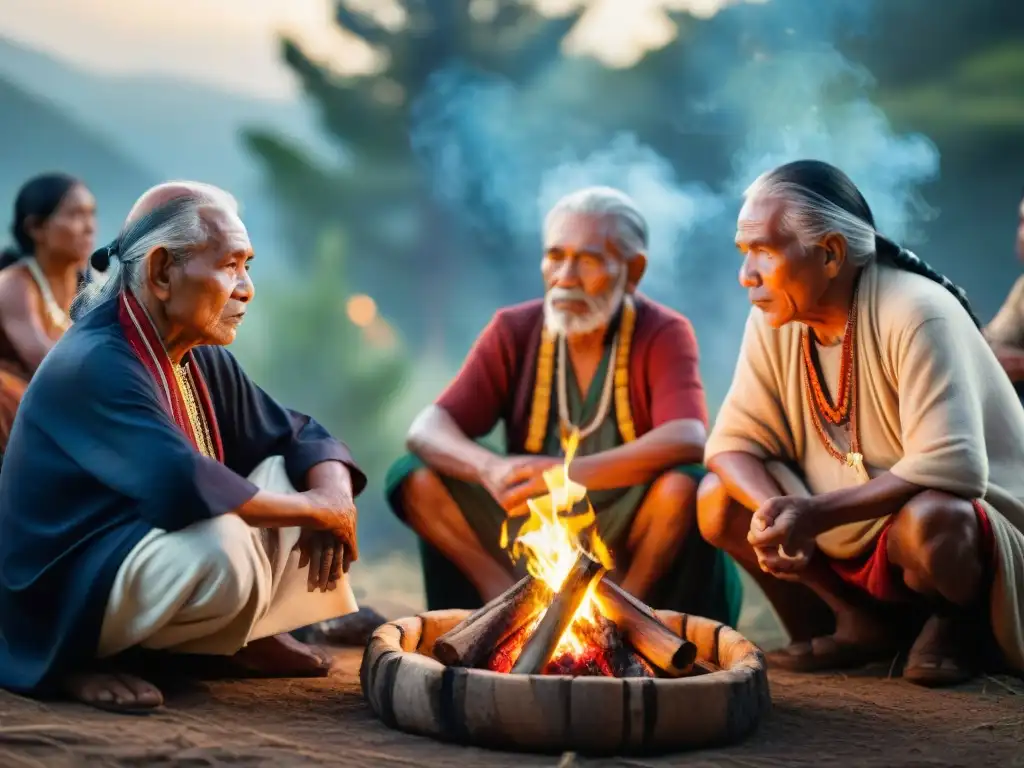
(497, 378)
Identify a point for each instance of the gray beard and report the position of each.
(600, 310)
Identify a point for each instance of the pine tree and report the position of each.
(379, 193)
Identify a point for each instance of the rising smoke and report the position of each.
(766, 79)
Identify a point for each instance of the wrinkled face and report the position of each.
(783, 279)
(585, 276)
(69, 233)
(208, 292)
(1020, 230)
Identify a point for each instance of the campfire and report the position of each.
(565, 617)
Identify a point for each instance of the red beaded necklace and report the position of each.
(845, 412)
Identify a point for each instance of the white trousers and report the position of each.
(216, 585)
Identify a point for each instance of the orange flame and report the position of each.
(555, 534)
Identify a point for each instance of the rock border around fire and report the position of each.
(411, 691)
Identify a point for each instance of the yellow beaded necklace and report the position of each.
(541, 404)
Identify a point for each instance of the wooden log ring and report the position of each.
(415, 693)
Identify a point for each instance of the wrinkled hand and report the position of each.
(514, 480)
(335, 513)
(782, 534)
(324, 553)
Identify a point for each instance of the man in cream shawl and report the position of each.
(870, 446)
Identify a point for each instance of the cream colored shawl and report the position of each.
(934, 408)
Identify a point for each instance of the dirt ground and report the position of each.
(867, 720)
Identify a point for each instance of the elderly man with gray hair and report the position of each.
(870, 448)
(595, 356)
(148, 498)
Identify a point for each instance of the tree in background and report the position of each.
(394, 223)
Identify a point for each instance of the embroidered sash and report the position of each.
(142, 336)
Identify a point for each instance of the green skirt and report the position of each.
(702, 580)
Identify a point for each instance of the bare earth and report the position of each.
(865, 720)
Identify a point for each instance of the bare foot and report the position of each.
(944, 653)
(114, 692)
(284, 656)
(860, 638)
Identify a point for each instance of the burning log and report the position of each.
(473, 640)
(606, 654)
(644, 631)
(544, 640)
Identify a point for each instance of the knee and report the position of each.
(930, 530)
(670, 504)
(713, 504)
(422, 495)
(227, 553)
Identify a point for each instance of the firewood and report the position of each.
(471, 642)
(544, 640)
(643, 630)
(620, 659)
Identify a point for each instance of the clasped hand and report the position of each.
(782, 533)
(512, 481)
(329, 548)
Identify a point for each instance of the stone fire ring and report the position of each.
(411, 691)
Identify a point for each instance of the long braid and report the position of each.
(888, 252)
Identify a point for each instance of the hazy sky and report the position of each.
(233, 43)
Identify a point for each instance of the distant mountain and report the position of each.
(36, 136)
(177, 128)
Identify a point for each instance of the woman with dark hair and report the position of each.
(870, 447)
(53, 229)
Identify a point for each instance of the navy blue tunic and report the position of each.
(94, 463)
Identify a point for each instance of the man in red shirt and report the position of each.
(596, 356)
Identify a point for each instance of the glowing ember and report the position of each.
(561, 526)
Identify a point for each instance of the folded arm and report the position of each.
(436, 439)
(254, 426)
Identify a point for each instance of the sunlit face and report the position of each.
(585, 276)
(1020, 230)
(783, 279)
(69, 233)
(209, 291)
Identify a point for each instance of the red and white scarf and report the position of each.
(141, 334)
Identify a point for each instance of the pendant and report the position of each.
(856, 460)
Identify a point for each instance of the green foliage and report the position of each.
(377, 193)
(306, 351)
(981, 95)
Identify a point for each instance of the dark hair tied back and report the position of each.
(828, 182)
(101, 257)
(886, 250)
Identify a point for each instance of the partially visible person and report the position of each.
(1006, 330)
(869, 448)
(154, 497)
(593, 355)
(53, 228)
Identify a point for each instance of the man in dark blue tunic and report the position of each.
(149, 497)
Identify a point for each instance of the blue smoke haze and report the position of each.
(765, 78)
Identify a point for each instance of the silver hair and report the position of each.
(629, 228)
(810, 217)
(177, 225)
